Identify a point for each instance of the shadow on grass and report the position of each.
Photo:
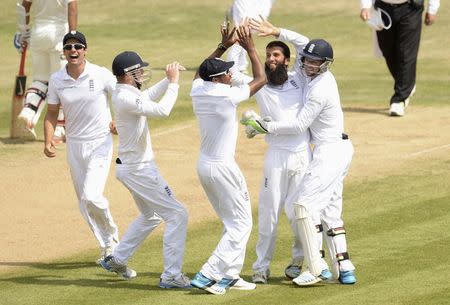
(9, 141)
(50, 266)
(379, 111)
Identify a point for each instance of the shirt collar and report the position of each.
(87, 68)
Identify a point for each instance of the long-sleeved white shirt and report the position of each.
(132, 107)
(282, 103)
(433, 5)
(322, 113)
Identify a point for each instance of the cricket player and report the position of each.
(51, 20)
(287, 156)
(82, 89)
(215, 102)
(240, 10)
(137, 171)
(319, 199)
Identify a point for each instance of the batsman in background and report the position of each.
(138, 172)
(319, 198)
(52, 19)
(215, 102)
(287, 156)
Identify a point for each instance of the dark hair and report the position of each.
(282, 45)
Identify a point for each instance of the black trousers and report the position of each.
(400, 46)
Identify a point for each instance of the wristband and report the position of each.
(222, 47)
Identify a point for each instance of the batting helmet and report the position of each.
(318, 49)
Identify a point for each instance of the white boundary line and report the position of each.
(427, 151)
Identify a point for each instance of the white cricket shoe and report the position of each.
(261, 277)
(306, 279)
(181, 281)
(241, 284)
(111, 264)
(25, 119)
(397, 109)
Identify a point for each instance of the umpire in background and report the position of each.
(400, 43)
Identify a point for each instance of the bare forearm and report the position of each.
(51, 118)
(72, 15)
(259, 75)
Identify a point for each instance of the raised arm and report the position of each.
(72, 15)
(228, 39)
(259, 75)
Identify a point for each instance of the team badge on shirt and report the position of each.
(138, 101)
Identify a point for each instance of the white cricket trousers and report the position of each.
(156, 202)
(283, 173)
(322, 188)
(227, 191)
(47, 50)
(89, 163)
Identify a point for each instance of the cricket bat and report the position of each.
(17, 99)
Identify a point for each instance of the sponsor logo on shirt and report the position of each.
(293, 83)
(138, 101)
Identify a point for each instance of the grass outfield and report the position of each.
(397, 225)
(397, 238)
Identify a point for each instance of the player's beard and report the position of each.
(278, 76)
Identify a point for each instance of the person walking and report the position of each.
(399, 44)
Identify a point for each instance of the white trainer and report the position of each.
(181, 281)
(242, 284)
(261, 277)
(306, 279)
(397, 109)
(111, 264)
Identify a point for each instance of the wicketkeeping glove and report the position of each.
(254, 124)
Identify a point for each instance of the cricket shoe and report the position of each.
(397, 109)
(238, 284)
(181, 281)
(326, 275)
(105, 252)
(202, 282)
(306, 279)
(293, 270)
(25, 119)
(111, 264)
(261, 277)
(347, 277)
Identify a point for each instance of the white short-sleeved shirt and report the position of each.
(131, 108)
(49, 11)
(215, 107)
(84, 101)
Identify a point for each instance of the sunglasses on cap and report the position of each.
(76, 46)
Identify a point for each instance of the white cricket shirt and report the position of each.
(131, 108)
(84, 101)
(215, 107)
(322, 113)
(49, 11)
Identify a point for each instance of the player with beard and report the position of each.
(287, 156)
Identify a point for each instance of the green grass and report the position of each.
(187, 31)
(397, 239)
(397, 226)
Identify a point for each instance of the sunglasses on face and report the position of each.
(76, 46)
